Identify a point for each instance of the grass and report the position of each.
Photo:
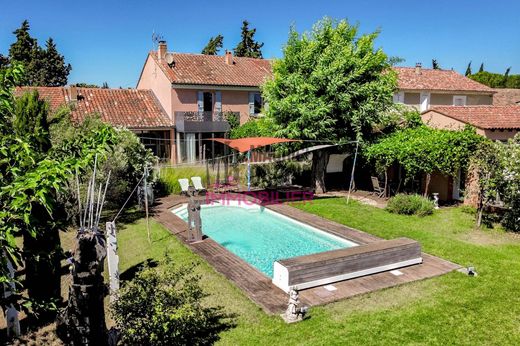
(451, 309)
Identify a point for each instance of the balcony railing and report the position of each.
(201, 121)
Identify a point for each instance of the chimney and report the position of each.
(228, 57)
(161, 50)
(418, 67)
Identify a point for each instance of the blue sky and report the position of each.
(108, 40)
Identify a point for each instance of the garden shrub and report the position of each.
(163, 306)
(410, 205)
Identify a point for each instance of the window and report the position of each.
(399, 97)
(208, 102)
(255, 103)
(459, 100)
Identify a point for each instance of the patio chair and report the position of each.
(378, 190)
(185, 186)
(197, 184)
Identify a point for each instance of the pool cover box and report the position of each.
(337, 265)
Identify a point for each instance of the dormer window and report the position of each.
(459, 100)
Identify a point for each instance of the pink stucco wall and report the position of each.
(152, 77)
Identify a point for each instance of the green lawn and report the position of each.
(452, 309)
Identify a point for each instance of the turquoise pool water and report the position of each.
(260, 236)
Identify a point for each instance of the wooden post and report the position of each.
(113, 259)
(173, 147)
(194, 221)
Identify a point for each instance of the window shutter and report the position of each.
(251, 103)
(200, 101)
(218, 101)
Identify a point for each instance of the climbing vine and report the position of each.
(425, 150)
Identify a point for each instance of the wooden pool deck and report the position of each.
(259, 287)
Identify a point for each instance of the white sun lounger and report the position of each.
(185, 186)
(197, 184)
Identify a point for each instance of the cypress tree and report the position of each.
(481, 69)
(248, 47)
(55, 71)
(435, 64)
(43, 67)
(214, 45)
(468, 70)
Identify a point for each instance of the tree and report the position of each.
(214, 45)
(23, 49)
(468, 70)
(43, 67)
(435, 64)
(330, 85)
(55, 71)
(4, 61)
(248, 47)
(481, 69)
(163, 306)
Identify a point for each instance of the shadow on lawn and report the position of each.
(131, 272)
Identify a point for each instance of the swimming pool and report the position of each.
(261, 236)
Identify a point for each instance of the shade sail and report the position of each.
(248, 143)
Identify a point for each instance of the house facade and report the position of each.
(199, 92)
(425, 88)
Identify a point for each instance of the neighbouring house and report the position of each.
(198, 93)
(506, 97)
(137, 110)
(494, 122)
(424, 88)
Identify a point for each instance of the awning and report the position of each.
(295, 154)
(248, 143)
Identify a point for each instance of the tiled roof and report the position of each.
(55, 96)
(504, 97)
(120, 107)
(484, 117)
(213, 70)
(439, 80)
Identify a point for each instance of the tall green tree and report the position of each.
(55, 70)
(43, 67)
(435, 64)
(332, 84)
(468, 70)
(214, 45)
(481, 68)
(248, 47)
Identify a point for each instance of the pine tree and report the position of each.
(481, 69)
(248, 47)
(55, 70)
(435, 64)
(214, 45)
(468, 70)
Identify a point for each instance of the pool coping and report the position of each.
(259, 288)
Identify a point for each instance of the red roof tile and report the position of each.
(213, 70)
(439, 80)
(120, 107)
(504, 97)
(484, 117)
